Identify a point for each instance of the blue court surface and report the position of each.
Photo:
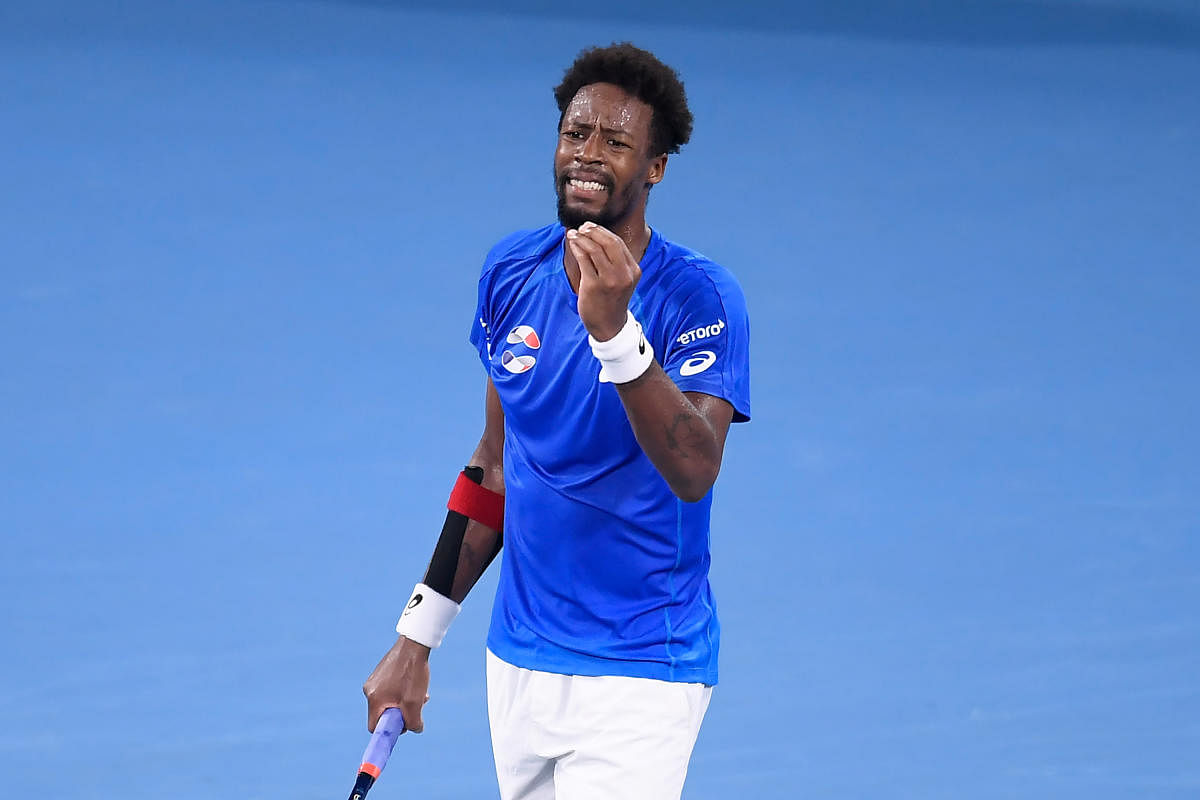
(956, 553)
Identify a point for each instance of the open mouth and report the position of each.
(586, 186)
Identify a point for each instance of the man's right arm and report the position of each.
(401, 679)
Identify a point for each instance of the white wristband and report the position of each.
(427, 616)
(625, 356)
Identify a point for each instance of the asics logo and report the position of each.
(698, 363)
(705, 332)
(416, 601)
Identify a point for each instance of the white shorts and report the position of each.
(572, 737)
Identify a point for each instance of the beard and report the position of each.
(615, 208)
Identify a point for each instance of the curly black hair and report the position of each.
(642, 75)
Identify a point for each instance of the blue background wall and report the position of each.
(957, 553)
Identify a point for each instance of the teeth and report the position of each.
(590, 186)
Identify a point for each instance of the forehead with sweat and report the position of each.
(608, 106)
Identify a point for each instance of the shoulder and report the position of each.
(523, 246)
(687, 274)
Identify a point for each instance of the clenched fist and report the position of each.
(608, 274)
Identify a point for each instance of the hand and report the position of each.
(400, 680)
(608, 273)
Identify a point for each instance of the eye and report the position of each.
(573, 134)
(617, 143)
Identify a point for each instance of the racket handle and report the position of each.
(375, 757)
(389, 727)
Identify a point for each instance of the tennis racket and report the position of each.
(387, 730)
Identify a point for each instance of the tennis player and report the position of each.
(616, 361)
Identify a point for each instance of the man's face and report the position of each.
(603, 160)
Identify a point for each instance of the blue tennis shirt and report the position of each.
(604, 570)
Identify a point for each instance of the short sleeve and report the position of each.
(481, 326)
(497, 284)
(708, 341)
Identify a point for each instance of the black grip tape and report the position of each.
(443, 565)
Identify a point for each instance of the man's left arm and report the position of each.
(683, 434)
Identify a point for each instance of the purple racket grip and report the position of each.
(387, 730)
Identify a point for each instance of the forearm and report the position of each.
(463, 555)
(479, 548)
(681, 441)
(464, 550)
(683, 435)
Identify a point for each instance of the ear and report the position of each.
(656, 169)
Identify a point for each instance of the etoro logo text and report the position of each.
(705, 332)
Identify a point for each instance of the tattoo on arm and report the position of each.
(684, 436)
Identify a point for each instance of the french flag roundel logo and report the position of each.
(524, 334)
(518, 358)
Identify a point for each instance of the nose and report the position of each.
(591, 149)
